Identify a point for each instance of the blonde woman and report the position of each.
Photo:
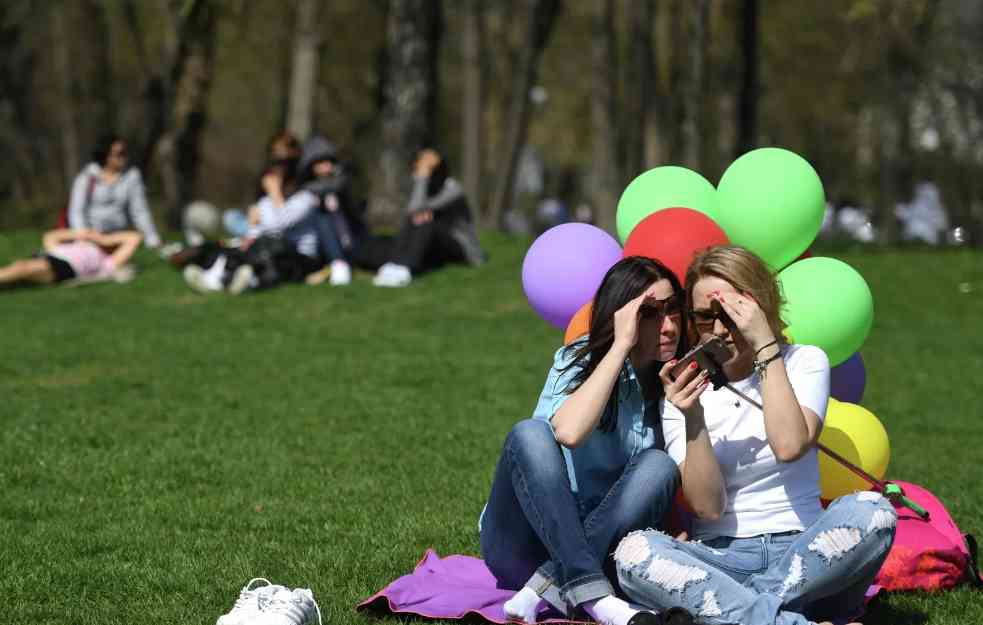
(766, 552)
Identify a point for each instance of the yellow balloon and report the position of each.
(856, 434)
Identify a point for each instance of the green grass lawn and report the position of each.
(159, 448)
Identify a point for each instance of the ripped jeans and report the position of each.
(793, 578)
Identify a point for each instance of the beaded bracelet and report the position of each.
(761, 365)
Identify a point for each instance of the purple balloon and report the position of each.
(848, 379)
(564, 267)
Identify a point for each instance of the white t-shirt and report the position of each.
(763, 495)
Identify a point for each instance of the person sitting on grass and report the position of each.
(288, 241)
(438, 227)
(589, 466)
(766, 552)
(108, 195)
(82, 255)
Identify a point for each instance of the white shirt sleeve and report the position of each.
(808, 372)
(674, 431)
(294, 210)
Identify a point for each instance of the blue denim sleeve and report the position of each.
(557, 381)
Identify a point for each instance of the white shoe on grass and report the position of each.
(251, 602)
(242, 279)
(290, 607)
(341, 273)
(393, 275)
(195, 277)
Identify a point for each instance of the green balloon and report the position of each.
(771, 201)
(664, 187)
(827, 304)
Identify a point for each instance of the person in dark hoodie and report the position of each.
(438, 227)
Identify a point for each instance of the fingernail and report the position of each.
(692, 365)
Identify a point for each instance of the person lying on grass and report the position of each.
(766, 552)
(80, 255)
(589, 466)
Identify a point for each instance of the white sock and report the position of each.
(524, 605)
(213, 275)
(610, 610)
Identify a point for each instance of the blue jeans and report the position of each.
(822, 572)
(532, 533)
(328, 239)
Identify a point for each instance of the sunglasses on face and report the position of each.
(659, 308)
(704, 318)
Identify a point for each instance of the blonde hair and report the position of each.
(747, 273)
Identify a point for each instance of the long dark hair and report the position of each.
(100, 151)
(625, 281)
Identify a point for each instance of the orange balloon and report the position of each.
(580, 324)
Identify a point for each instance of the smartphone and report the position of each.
(709, 355)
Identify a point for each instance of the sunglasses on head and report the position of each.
(652, 307)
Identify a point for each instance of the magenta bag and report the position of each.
(928, 554)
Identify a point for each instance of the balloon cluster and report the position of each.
(770, 201)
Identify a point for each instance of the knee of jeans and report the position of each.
(639, 546)
(532, 436)
(873, 506)
(657, 464)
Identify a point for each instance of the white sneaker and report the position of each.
(194, 276)
(250, 603)
(290, 607)
(242, 279)
(393, 275)
(341, 273)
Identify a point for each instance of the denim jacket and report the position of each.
(597, 463)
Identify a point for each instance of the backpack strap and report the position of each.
(972, 567)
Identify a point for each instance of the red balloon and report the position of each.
(674, 236)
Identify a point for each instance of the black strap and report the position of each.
(972, 567)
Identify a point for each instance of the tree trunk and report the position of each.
(71, 152)
(692, 127)
(542, 17)
(747, 122)
(304, 71)
(473, 108)
(639, 92)
(413, 34)
(603, 111)
(673, 114)
(178, 148)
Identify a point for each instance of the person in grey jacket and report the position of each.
(108, 195)
(438, 227)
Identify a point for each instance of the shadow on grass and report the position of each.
(882, 612)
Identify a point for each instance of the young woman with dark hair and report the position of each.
(589, 466)
(766, 551)
(108, 195)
